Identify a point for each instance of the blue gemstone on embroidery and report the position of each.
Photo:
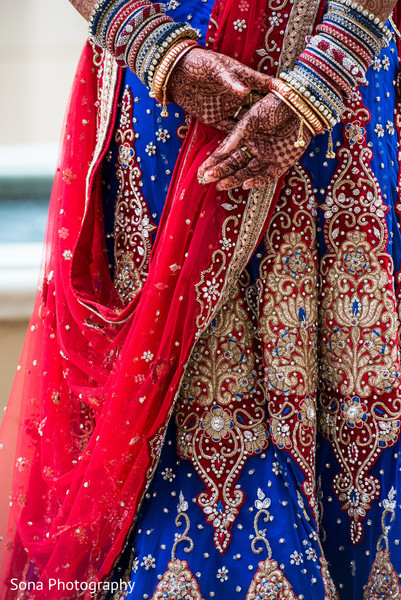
(355, 307)
(220, 507)
(302, 314)
(354, 496)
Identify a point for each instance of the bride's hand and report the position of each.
(260, 149)
(212, 87)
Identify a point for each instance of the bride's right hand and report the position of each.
(212, 87)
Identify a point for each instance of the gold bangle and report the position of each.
(302, 104)
(190, 44)
(164, 67)
(291, 106)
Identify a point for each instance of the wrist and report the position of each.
(141, 37)
(335, 61)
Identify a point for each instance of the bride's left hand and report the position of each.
(260, 148)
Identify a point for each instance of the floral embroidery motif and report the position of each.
(220, 413)
(360, 403)
(288, 323)
(211, 282)
(132, 225)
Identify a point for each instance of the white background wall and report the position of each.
(40, 43)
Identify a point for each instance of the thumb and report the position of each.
(232, 83)
(251, 78)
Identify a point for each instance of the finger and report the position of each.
(225, 125)
(235, 162)
(237, 179)
(258, 182)
(231, 82)
(251, 78)
(269, 175)
(236, 138)
(214, 159)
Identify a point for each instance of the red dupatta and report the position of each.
(97, 380)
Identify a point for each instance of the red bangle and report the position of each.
(118, 20)
(323, 70)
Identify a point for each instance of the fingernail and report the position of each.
(221, 149)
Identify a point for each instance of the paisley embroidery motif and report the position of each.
(220, 414)
(288, 323)
(270, 583)
(383, 580)
(132, 224)
(177, 583)
(360, 399)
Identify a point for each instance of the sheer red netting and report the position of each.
(97, 380)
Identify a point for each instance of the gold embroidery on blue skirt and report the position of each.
(178, 583)
(132, 225)
(269, 581)
(220, 413)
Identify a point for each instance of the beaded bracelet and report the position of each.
(143, 38)
(334, 63)
(128, 19)
(140, 36)
(323, 70)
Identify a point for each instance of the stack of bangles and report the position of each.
(332, 66)
(143, 38)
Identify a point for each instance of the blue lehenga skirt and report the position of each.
(238, 524)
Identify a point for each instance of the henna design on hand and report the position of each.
(211, 87)
(84, 7)
(269, 132)
(380, 8)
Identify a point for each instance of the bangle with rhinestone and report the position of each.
(366, 33)
(163, 48)
(321, 100)
(305, 78)
(356, 31)
(316, 101)
(151, 51)
(154, 40)
(126, 22)
(313, 96)
(164, 67)
(362, 15)
(150, 42)
(322, 69)
(352, 80)
(97, 12)
(105, 19)
(136, 41)
(141, 34)
(335, 48)
(345, 38)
